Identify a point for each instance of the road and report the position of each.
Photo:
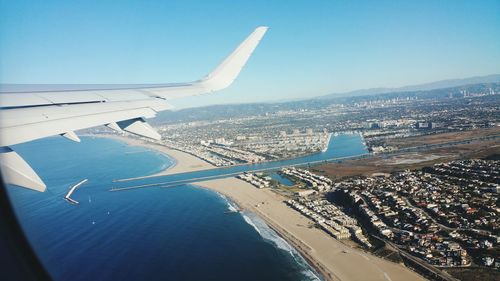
(422, 263)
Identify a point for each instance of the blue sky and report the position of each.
(312, 47)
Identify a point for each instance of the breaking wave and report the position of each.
(231, 206)
(271, 236)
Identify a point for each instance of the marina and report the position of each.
(341, 147)
(158, 213)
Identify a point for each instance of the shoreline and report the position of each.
(181, 160)
(300, 247)
(331, 258)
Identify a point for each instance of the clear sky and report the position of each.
(312, 47)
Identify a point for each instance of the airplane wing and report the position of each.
(32, 115)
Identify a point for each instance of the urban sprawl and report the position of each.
(444, 215)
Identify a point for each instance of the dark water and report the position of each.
(181, 233)
(281, 179)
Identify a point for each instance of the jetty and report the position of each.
(71, 190)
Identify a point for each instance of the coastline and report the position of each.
(329, 257)
(333, 259)
(183, 162)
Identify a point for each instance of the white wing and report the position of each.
(32, 115)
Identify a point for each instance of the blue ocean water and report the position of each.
(181, 233)
(281, 179)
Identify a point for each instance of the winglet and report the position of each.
(224, 74)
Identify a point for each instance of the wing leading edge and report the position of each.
(32, 115)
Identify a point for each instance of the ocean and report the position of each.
(179, 233)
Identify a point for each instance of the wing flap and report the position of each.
(139, 127)
(27, 124)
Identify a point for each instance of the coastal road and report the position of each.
(422, 263)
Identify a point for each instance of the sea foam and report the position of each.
(268, 234)
(231, 206)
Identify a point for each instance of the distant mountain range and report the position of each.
(450, 83)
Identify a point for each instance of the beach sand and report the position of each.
(184, 162)
(335, 260)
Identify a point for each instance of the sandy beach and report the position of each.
(335, 260)
(184, 162)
